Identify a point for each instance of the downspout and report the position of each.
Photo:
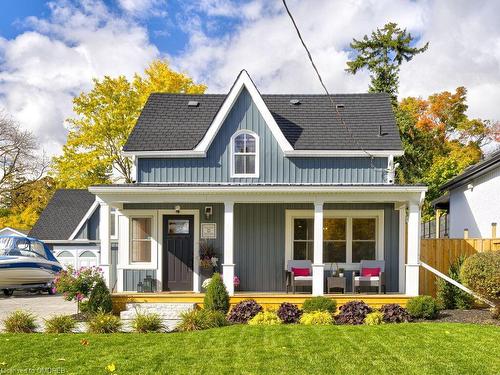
(455, 283)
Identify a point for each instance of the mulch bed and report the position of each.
(478, 316)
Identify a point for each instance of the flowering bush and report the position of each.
(76, 285)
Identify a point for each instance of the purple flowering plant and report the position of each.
(76, 284)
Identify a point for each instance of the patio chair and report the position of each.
(371, 274)
(296, 274)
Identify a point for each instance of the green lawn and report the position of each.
(419, 348)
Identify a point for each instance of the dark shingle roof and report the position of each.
(168, 123)
(474, 171)
(62, 215)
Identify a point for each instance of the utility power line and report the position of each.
(341, 119)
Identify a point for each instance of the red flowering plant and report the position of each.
(76, 285)
(208, 256)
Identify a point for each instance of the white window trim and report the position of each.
(328, 214)
(233, 154)
(125, 239)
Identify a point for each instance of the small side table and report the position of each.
(335, 282)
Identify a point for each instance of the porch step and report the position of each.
(169, 312)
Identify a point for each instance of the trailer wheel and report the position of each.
(8, 292)
(51, 290)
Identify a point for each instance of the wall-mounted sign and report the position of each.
(209, 230)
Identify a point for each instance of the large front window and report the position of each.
(245, 154)
(345, 239)
(141, 240)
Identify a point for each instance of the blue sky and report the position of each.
(50, 51)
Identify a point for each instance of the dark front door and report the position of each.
(178, 245)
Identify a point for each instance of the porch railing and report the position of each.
(456, 283)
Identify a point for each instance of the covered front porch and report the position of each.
(255, 232)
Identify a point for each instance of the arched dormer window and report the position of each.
(245, 154)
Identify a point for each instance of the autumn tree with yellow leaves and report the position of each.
(105, 116)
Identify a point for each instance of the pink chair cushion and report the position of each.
(370, 271)
(301, 271)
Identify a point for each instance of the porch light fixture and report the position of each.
(208, 212)
(177, 209)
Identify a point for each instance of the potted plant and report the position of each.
(208, 259)
(236, 282)
(341, 272)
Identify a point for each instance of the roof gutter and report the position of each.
(256, 189)
(290, 154)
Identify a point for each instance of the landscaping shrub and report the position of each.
(448, 295)
(244, 311)
(320, 304)
(353, 312)
(20, 322)
(100, 298)
(77, 285)
(265, 318)
(147, 322)
(60, 324)
(481, 273)
(394, 313)
(422, 307)
(316, 318)
(103, 322)
(196, 320)
(289, 313)
(374, 318)
(216, 296)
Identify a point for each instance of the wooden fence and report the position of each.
(440, 253)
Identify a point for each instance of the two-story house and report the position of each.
(264, 179)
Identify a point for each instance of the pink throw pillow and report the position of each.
(370, 271)
(301, 271)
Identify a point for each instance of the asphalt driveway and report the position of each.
(42, 305)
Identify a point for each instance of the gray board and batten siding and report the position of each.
(274, 167)
(259, 241)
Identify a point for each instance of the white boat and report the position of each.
(26, 263)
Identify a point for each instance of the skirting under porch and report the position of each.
(267, 300)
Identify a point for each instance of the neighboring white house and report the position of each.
(473, 200)
(8, 231)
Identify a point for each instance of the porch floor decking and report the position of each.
(267, 300)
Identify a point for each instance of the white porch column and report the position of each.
(402, 246)
(104, 233)
(413, 258)
(228, 265)
(318, 266)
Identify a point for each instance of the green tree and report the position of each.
(105, 116)
(382, 54)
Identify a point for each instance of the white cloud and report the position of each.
(142, 8)
(42, 69)
(464, 47)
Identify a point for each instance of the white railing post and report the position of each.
(318, 266)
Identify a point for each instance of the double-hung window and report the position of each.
(141, 240)
(245, 154)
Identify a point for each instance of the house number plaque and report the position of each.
(209, 230)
